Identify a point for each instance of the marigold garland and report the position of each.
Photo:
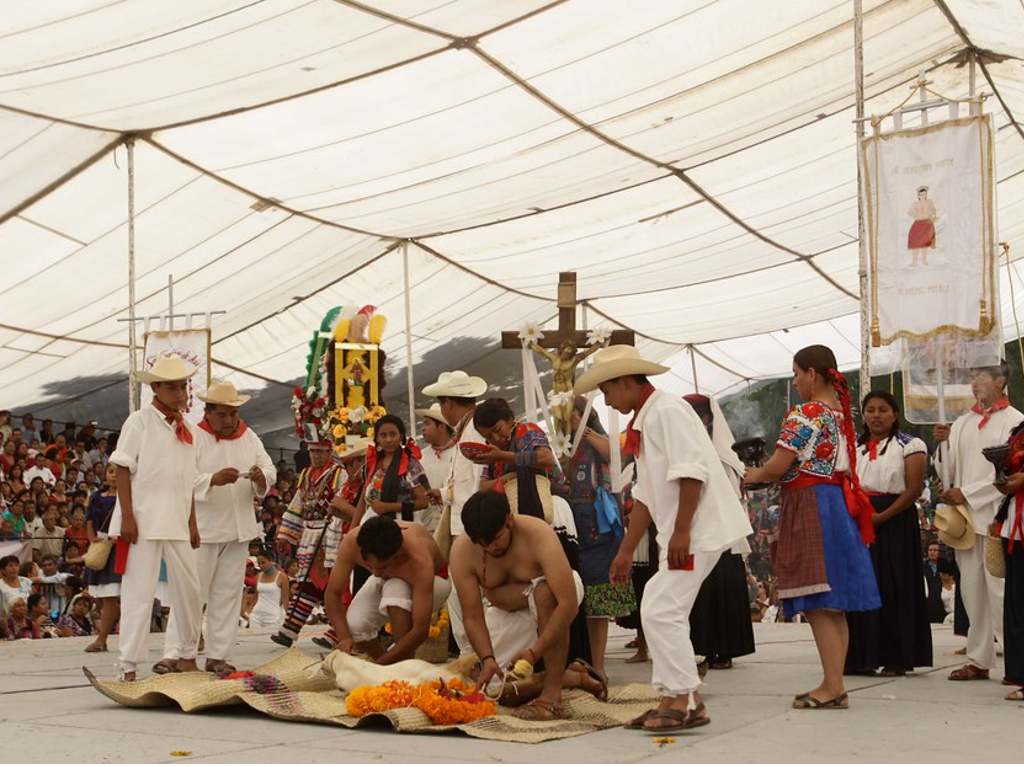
(453, 702)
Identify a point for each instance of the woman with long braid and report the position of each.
(821, 561)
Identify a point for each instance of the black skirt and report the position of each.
(720, 625)
(898, 635)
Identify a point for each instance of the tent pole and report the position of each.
(693, 367)
(134, 393)
(170, 302)
(865, 321)
(408, 343)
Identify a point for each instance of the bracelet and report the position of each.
(484, 659)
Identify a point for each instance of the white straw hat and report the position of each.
(167, 367)
(433, 413)
(956, 529)
(614, 362)
(223, 393)
(457, 383)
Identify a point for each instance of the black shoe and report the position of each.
(281, 639)
(323, 642)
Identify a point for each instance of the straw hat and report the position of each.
(511, 485)
(457, 383)
(168, 367)
(955, 527)
(433, 413)
(353, 447)
(223, 393)
(614, 362)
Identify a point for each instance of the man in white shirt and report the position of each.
(234, 468)
(682, 486)
(456, 393)
(969, 477)
(156, 474)
(39, 469)
(437, 459)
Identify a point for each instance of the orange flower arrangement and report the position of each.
(445, 703)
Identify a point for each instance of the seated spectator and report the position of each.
(76, 621)
(29, 570)
(19, 625)
(12, 585)
(46, 432)
(7, 531)
(40, 470)
(39, 615)
(8, 458)
(73, 562)
(77, 531)
(49, 539)
(90, 480)
(15, 478)
(33, 519)
(28, 428)
(71, 477)
(87, 435)
(6, 494)
(99, 455)
(16, 516)
(59, 492)
(51, 577)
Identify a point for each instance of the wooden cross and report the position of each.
(566, 323)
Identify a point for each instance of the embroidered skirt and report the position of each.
(821, 562)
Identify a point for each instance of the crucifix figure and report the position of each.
(564, 348)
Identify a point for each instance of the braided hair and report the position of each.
(865, 434)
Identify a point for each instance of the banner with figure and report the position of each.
(193, 346)
(930, 224)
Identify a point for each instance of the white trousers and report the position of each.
(221, 569)
(512, 632)
(983, 600)
(138, 587)
(665, 615)
(368, 612)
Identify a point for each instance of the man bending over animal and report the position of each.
(518, 597)
(404, 587)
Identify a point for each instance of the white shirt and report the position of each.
(437, 466)
(887, 473)
(163, 471)
(674, 445)
(463, 478)
(967, 467)
(948, 599)
(225, 513)
(35, 471)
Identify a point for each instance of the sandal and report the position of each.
(219, 667)
(539, 710)
(892, 672)
(968, 673)
(96, 647)
(637, 722)
(166, 666)
(677, 721)
(589, 671)
(640, 656)
(632, 644)
(1016, 695)
(808, 701)
(126, 676)
(721, 664)
(697, 717)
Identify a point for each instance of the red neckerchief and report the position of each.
(872, 446)
(986, 413)
(409, 450)
(177, 419)
(632, 446)
(314, 474)
(242, 428)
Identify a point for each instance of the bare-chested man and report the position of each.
(404, 587)
(518, 597)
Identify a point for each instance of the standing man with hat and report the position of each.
(156, 515)
(234, 468)
(682, 486)
(306, 530)
(436, 461)
(456, 393)
(969, 477)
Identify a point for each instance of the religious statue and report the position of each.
(564, 361)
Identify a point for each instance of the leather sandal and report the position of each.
(677, 721)
(539, 710)
(968, 673)
(808, 701)
(588, 671)
(637, 722)
(166, 666)
(219, 667)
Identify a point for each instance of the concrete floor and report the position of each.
(48, 713)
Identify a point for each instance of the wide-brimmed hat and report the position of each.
(223, 393)
(614, 362)
(353, 447)
(457, 383)
(956, 529)
(433, 413)
(167, 367)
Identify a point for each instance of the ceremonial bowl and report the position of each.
(996, 455)
(473, 450)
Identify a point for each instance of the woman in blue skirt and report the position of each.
(821, 562)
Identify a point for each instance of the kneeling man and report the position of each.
(519, 597)
(405, 587)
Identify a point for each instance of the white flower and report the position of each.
(599, 337)
(357, 414)
(560, 444)
(559, 398)
(530, 333)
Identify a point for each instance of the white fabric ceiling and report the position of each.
(692, 160)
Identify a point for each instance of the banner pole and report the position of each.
(862, 252)
(134, 392)
(409, 379)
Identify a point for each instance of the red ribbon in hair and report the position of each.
(177, 419)
(986, 412)
(632, 446)
(857, 501)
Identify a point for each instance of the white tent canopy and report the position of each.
(693, 161)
